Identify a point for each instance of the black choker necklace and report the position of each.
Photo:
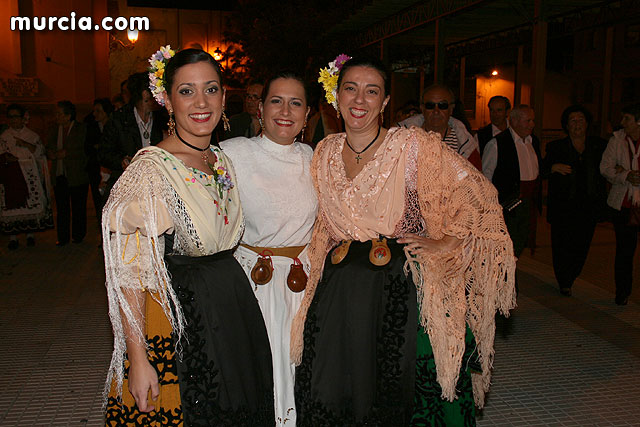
(205, 158)
(358, 158)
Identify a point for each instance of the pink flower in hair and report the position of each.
(340, 60)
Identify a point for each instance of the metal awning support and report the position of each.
(606, 84)
(438, 72)
(539, 62)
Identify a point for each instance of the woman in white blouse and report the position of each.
(279, 204)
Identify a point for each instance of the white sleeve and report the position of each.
(609, 162)
(490, 159)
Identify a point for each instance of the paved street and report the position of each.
(559, 361)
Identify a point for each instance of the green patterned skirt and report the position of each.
(430, 409)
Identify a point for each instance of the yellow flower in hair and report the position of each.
(324, 75)
(329, 78)
(157, 63)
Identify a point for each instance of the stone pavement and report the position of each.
(559, 361)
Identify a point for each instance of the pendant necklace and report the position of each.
(205, 158)
(358, 158)
(145, 128)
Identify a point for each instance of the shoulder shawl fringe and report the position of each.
(144, 270)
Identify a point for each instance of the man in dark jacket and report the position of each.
(247, 123)
(131, 128)
(66, 149)
(499, 107)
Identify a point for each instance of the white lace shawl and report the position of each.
(143, 205)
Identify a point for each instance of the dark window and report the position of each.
(632, 35)
(630, 90)
(588, 92)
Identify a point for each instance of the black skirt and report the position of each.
(358, 364)
(224, 362)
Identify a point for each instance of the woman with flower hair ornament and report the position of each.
(410, 259)
(190, 345)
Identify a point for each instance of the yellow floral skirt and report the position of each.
(123, 411)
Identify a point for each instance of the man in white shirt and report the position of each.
(511, 162)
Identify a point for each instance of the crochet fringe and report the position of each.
(141, 182)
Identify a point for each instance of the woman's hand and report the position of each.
(634, 177)
(561, 168)
(418, 245)
(143, 377)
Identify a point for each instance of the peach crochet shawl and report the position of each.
(416, 183)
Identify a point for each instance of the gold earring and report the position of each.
(171, 123)
(337, 109)
(225, 122)
(304, 126)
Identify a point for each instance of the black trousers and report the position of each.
(94, 184)
(71, 209)
(518, 225)
(626, 242)
(570, 242)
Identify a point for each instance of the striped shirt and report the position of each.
(451, 139)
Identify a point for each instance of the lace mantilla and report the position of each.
(143, 205)
(446, 195)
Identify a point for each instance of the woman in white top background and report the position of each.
(279, 204)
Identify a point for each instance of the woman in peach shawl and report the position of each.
(418, 260)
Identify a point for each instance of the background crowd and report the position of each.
(589, 180)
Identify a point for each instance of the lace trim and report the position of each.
(135, 263)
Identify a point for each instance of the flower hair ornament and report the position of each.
(329, 79)
(158, 62)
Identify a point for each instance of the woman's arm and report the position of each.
(550, 163)
(142, 376)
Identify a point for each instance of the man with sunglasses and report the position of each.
(247, 123)
(438, 102)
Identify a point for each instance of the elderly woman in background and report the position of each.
(576, 196)
(279, 206)
(620, 165)
(420, 263)
(25, 193)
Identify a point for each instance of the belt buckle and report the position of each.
(340, 252)
(380, 254)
